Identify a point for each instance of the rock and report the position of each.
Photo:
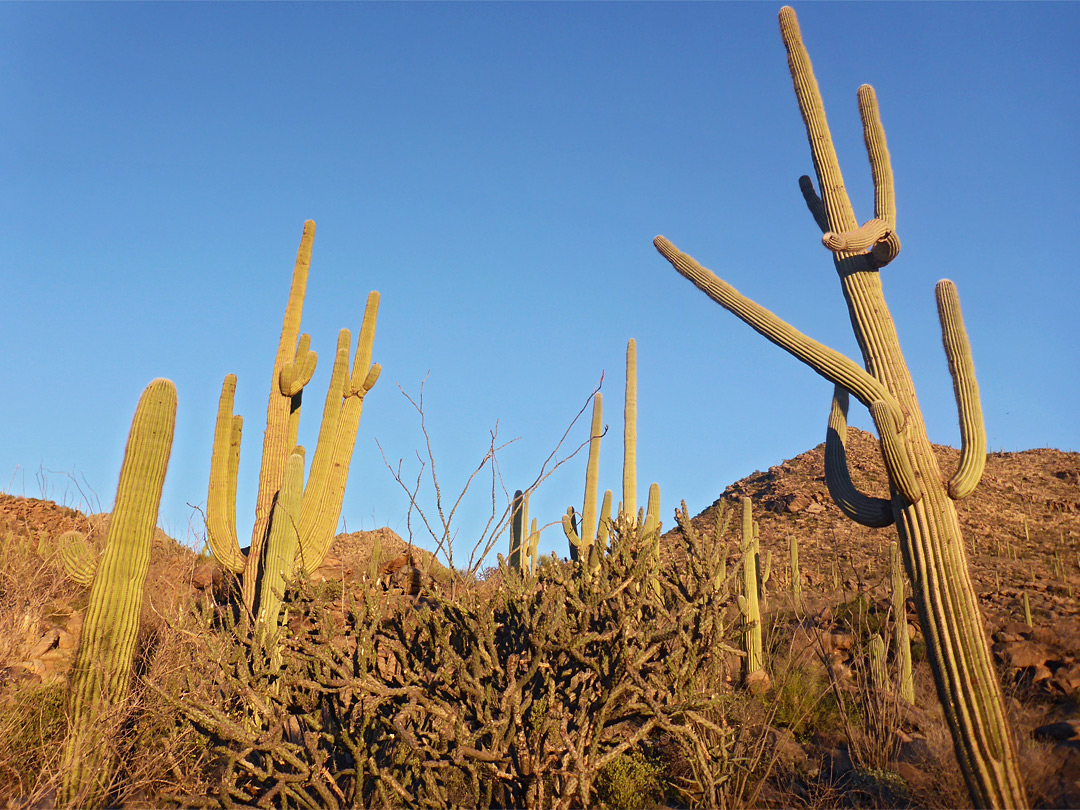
(44, 644)
(814, 508)
(203, 576)
(757, 682)
(1067, 679)
(916, 752)
(917, 780)
(1014, 628)
(837, 763)
(841, 641)
(798, 502)
(1021, 654)
(788, 752)
(1040, 673)
(1064, 730)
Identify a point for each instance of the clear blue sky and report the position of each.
(498, 172)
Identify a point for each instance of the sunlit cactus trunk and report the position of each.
(921, 502)
(102, 667)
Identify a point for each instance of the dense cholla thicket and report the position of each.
(519, 693)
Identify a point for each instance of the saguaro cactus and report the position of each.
(901, 640)
(588, 534)
(629, 504)
(754, 665)
(102, 667)
(921, 502)
(520, 537)
(325, 489)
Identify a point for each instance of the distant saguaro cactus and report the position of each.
(921, 497)
(102, 667)
(749, 601)
(325, 489)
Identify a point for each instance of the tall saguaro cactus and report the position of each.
(102, 667)
(324, 492)
(921, 497)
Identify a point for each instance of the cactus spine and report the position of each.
(102, 667)
(320, 507)
(901, 640)
(921, 497)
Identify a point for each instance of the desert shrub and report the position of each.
(535, 693)
(31, 720)
(804, 701)
(631, 781)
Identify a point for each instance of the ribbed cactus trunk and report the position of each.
(102, 667)
(921, 502)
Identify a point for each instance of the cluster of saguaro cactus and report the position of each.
(315, 519)
(102, 667)
(593, 535)
(921, 497)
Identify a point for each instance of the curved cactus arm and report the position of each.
(569, 525)
(814, 203)
(874, 512)
(966, 388)
(829, 363)
(877, 235)
(857, 241)
(534, 542)
(887, 246)
(629, 502)
(297, 373)
(603, 526)
(318, 527)
(221, 499)
(294, 376)
(80, 561)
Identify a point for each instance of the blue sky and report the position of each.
(497, 171)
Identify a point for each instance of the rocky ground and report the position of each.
(1022, 525)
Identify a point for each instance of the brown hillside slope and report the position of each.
(1034, 491)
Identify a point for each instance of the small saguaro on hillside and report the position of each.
(921, 502)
